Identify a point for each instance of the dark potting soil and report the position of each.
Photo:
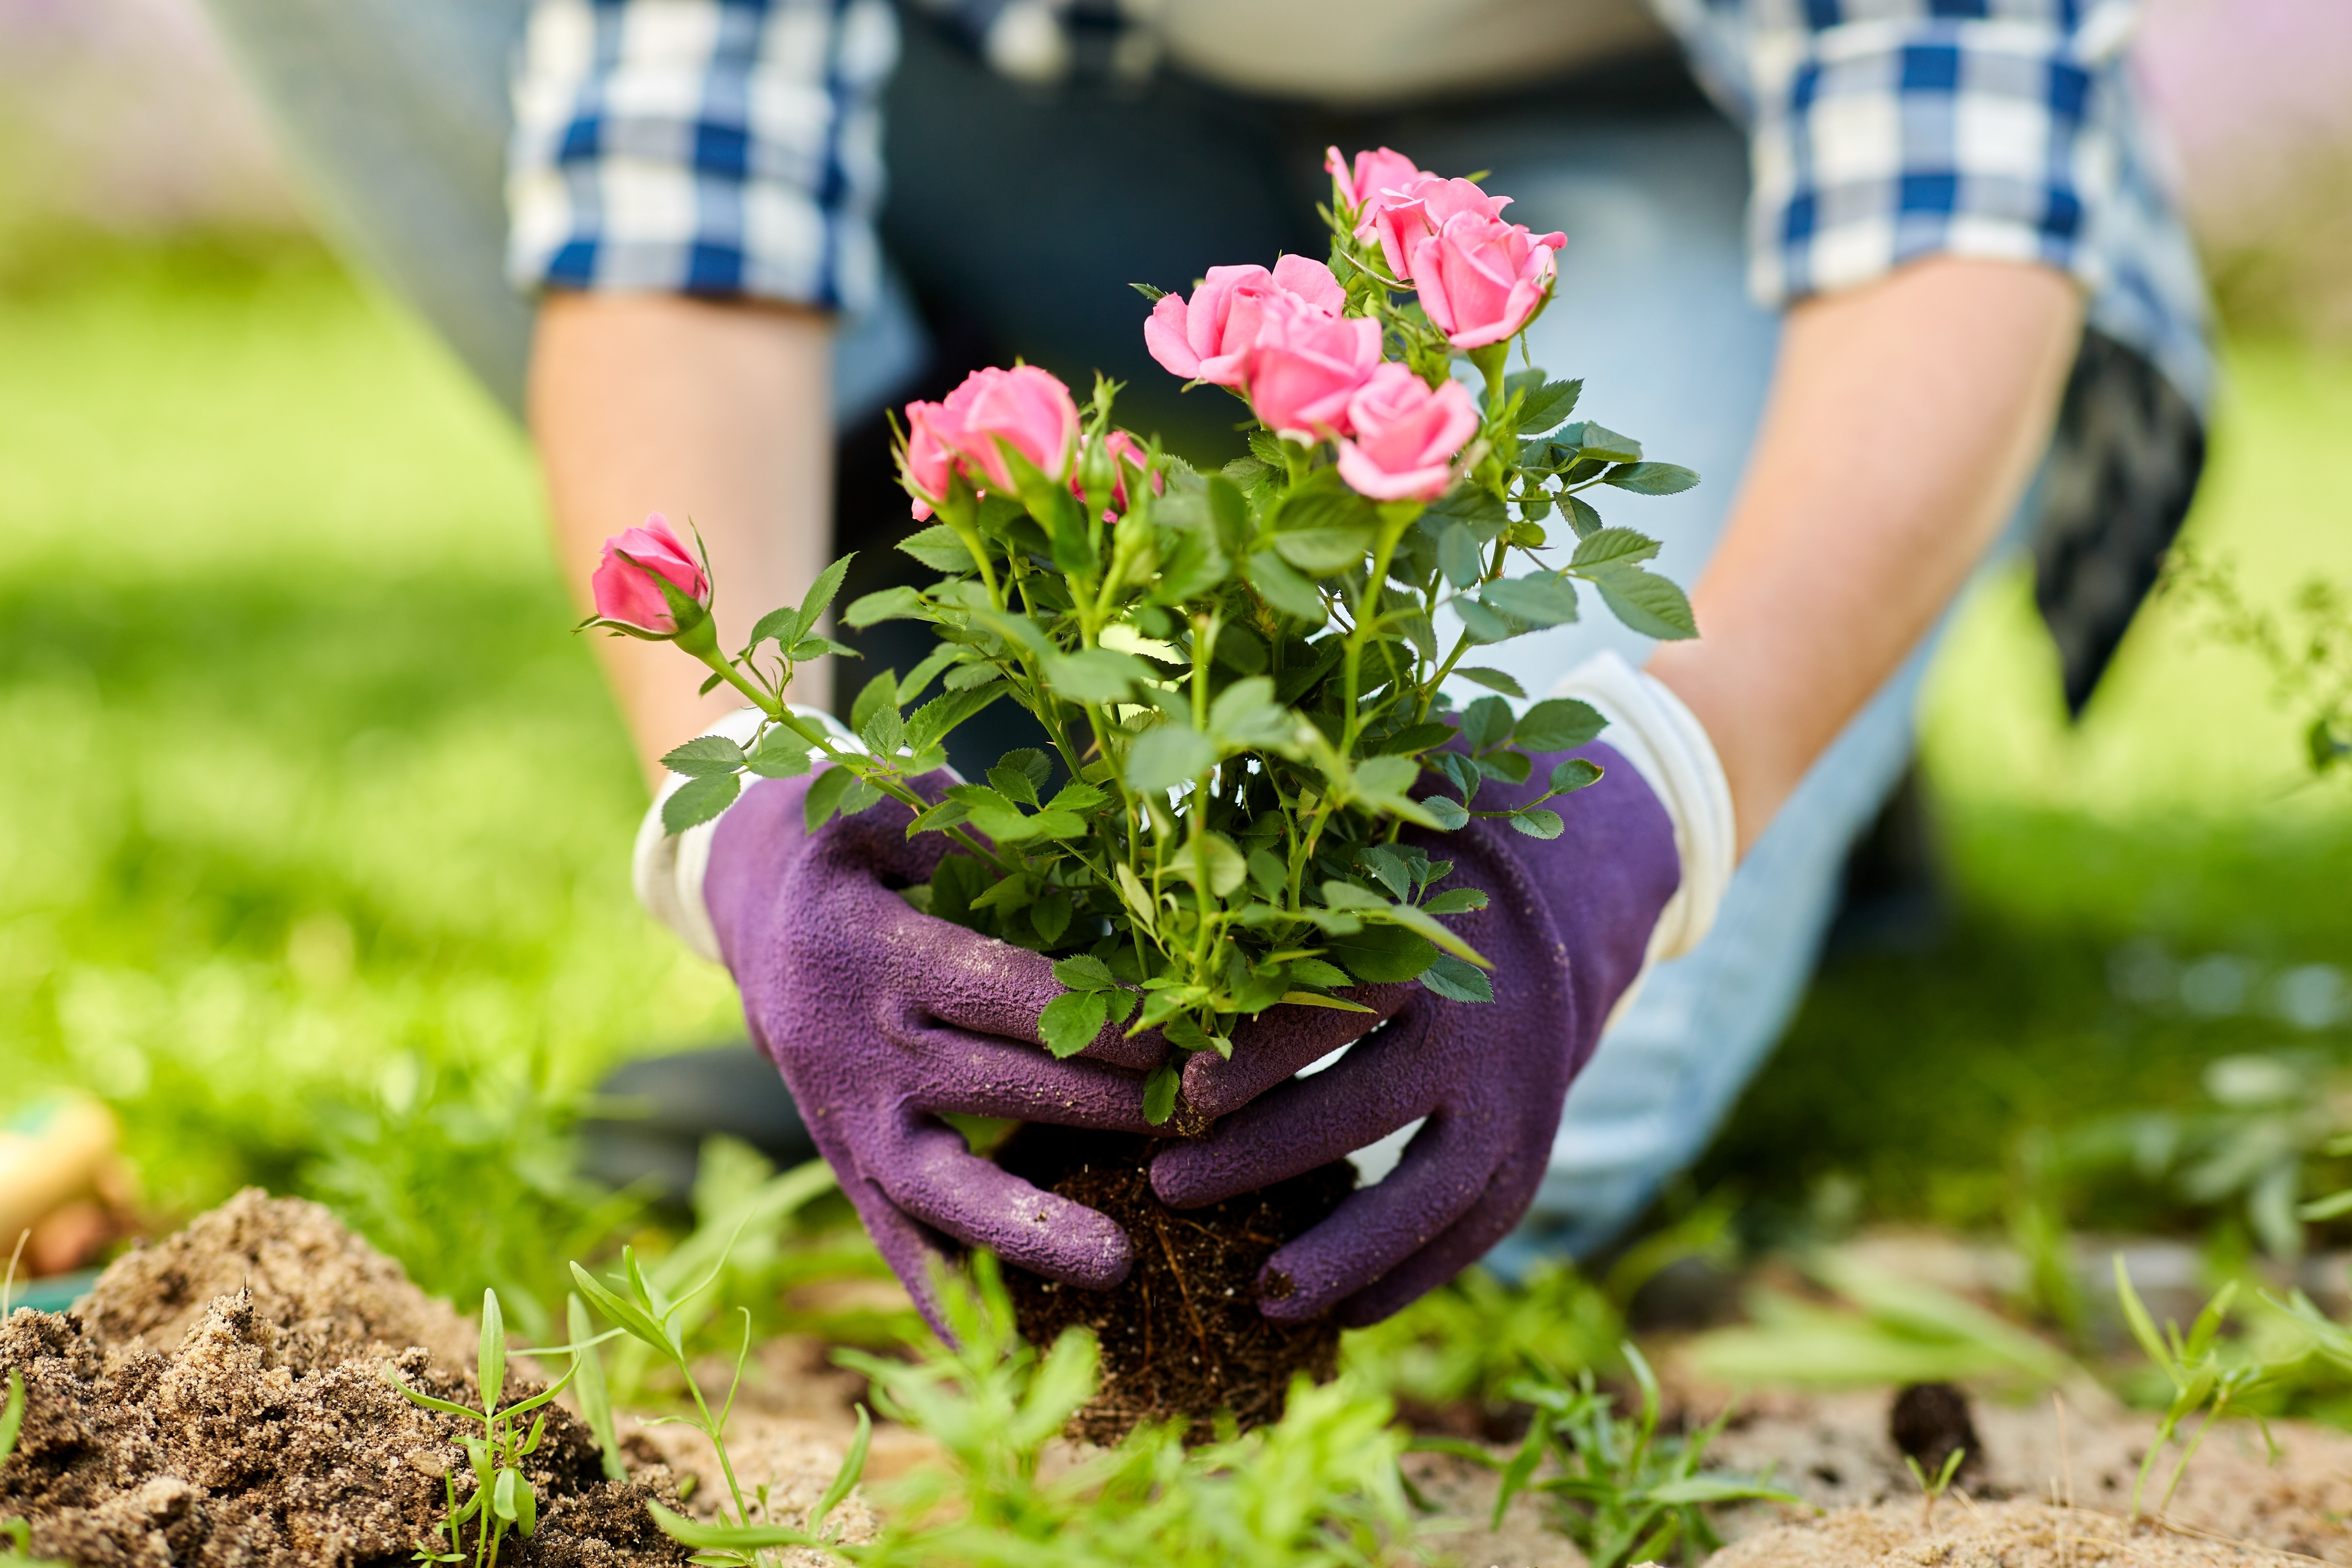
(1183, 1335)
(220, 1397)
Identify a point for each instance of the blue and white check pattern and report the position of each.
(731, 147)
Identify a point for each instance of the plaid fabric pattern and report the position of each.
(717, 147)
(1884, 130)
(730, 147)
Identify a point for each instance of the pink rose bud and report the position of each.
(1402, 219)
(1481, 279)
(1384, 170)
(1405, 436)
(1128, 459)
(1024, 409)
(623, 586)
(1207, 337)
(1305, 364)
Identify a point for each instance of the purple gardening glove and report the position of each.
(1567, 929)
(882, 1017)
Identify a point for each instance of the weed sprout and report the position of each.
(2196, 1371)
(1930, 1490)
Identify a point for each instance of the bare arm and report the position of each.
(717, 413)
(1905, 421)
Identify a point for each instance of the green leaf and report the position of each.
(1459, 555)
(825, 796)
(1239, 650)
(1649, 604)
(1324, 551)
(1032, 764)
(821, 591)
(1484, 625)
(934, 720)
(1169, 755)
(490, 1361)
(1540, 599)
(1414, 739)
(938, 547)
(1085, 973)
(780, 755)
(502, 1496)
(1226, 868)
(1014, 785)
(852, 1464)
(1388, 868)
(1229, 512)
(1535, 822)
(1457, 902)
(1557, 724)
(933, 663)
(781, 625)
(1284, 589)
(1600, 441)
(1266, 448)
(595, 1398)
(896, 603)
(1077, 797)
(1382, 955)
(1581, 516)
(992, 814)
(1160, 1093)
(1315, 971)
(1269, 877)
(1072, 1020)
(1339, 895)
(1575, 773)
(1485, 723)
(1247, 715)
(1605, 545)
(625, 1313)
(1716, 1488)
(705, 755)
(1457, 981)
(698, 800)
(1549, 404)
(880, 693)
(1154, 293)
(1429, 926)
(1449, 814)
(1651, 478)
(1491, 680)
(1094, 675)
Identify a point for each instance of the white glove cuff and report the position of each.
(1668, 747)
(668, 868)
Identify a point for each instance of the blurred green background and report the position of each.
(314, 815)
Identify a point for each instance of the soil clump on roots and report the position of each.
(220, 1397)
(1183, 1335)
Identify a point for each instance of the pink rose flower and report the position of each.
(623, 591)
(1305, 364)
(1406, 436)
(1207, 338)
(1402, 219)
(1481, 279)
(1384, 170)
(1024, 409)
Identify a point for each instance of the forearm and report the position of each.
(1905, 420)
(715, 414)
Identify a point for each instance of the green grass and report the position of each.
(314, 817)
(312, 804)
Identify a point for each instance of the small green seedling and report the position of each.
(595, 1399)
(2197, 1376)
(1931, 1490)
(646, 1314)
(503, 1498)
(1625, 1493)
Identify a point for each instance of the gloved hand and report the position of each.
(882, 1017)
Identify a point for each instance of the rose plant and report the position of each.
(1242, 674)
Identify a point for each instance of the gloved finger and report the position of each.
(983, 1075)
(1279, 1041)
(1443, 1172)
(913, 1251)
(1385, 1081)
(991, 987)
(937, 1179)
(1470, 1238)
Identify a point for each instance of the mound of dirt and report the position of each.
(1985, 1535)
(221, 1398)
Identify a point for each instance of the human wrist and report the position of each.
(669, 869)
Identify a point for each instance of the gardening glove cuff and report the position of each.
(1664, 742)
(667, 869)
